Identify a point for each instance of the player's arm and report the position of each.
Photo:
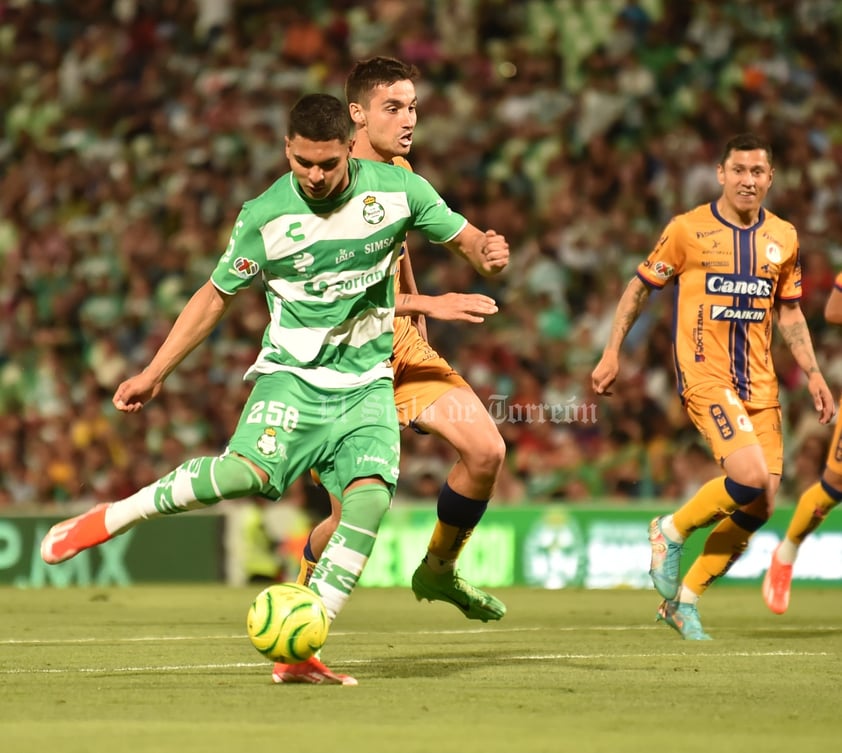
(793, 328)
(628, 309)
(452, 307)
(409, 289)
(195, 322)
(487, 252)
(833, 307)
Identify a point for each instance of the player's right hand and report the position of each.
(462, 307)
(135, 392)
(495, 254)
(603, 376)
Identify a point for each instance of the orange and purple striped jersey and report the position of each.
(726, 282)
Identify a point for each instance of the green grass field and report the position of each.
(166, 669)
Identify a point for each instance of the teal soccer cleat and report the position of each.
(684, 619)
(474, 603)
(666, 558)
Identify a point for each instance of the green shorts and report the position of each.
(288, 427)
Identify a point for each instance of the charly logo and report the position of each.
(373, 211)
(301, 261)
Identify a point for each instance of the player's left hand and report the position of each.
(822, 398)
(495, 253)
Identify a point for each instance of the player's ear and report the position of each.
(286, 147)
(357, 114)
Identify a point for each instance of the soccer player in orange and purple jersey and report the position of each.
(814, 504)
(734, 267)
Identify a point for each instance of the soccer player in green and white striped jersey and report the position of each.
(324, 239)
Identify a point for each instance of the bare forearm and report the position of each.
(196, 321)
(793, 329)
(628, 309)
(412, 304)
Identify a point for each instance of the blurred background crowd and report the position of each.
(133, 131)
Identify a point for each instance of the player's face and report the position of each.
(320, 167)
(389, 119)
(745, 178)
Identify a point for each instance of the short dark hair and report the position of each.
(746, 142)
(367, 75)
(319, 117)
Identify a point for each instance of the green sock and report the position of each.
(350, 546)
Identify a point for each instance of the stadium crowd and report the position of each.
(133, 131)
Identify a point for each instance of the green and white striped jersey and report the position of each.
(328, 270)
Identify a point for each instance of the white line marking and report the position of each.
(339, 633)
(463, 660)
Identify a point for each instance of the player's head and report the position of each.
(745, 172)
(382, 102)
(318, 144)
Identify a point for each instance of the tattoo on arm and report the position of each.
(628, 310)
(797, 338)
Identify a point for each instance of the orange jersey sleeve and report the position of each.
(726, 282)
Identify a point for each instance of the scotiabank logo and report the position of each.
(754, 287)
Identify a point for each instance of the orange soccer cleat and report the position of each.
(311, 671)
(776, 585)
(66, 539)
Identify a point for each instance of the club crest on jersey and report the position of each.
(244, 268)
(744, 423)
(267, 442)
(773, 253)
(373, 211)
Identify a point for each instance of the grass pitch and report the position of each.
(166, 669)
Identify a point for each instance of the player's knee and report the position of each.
(369, 500)
(484, 457)
(832, 484)
(747, 489)
(234, 476)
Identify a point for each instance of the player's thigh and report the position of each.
(364, 442)
(722, 419)
(282, 437)
(768, 429)
(459, 417)
(422, 376)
